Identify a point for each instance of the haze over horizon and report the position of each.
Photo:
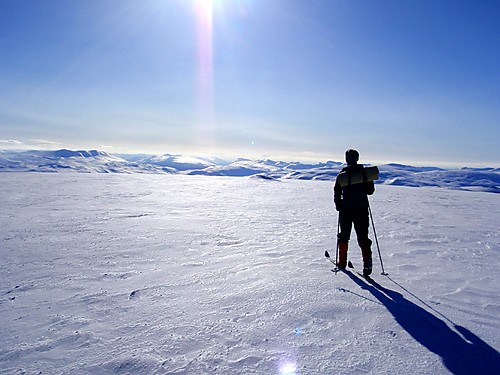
(406, 82)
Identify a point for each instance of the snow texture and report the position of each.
(475, 179)
(176, 274)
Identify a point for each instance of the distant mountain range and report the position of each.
(477, 179)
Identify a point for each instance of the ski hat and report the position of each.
(351, 156)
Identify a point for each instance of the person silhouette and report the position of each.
(351, 201)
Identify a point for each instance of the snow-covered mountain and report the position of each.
(64, 161)
(481, 179)
(181, 163)
(477, 179)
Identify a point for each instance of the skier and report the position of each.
(351, 201)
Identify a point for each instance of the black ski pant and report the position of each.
(361, 220)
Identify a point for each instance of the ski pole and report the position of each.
(327, 254)
(337, 249)
(376, 240)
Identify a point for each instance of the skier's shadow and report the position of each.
(462, 353)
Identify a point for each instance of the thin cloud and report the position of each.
(10, 142)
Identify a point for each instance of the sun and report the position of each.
(205, 5)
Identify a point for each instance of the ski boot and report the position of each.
(367, 268)
(366, 251)
(342, 261)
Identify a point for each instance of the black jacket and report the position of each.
(355, 196)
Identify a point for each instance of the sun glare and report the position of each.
(205, 6)
(288, 369)
(204, 22)
(205, 47)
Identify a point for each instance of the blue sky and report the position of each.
(402, 81)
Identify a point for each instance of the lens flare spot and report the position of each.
(288, 369)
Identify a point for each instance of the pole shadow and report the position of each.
(462, 353)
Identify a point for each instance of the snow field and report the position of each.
(173, 274)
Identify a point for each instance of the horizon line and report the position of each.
(442, 164)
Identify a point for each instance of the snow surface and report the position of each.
(175, 274)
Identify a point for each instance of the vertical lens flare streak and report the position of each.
(288, 369)
(204, 33)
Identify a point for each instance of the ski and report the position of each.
(350, 267)
(336, 269)
(327, 256)
(360, 273)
